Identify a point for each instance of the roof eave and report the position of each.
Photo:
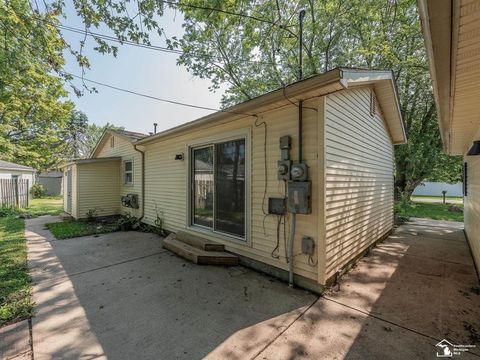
(439, 60)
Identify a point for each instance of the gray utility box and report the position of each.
(299, 193)
(130, 201)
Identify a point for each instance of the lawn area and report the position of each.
(52, 205)
(72, 228)
(15, 303)
(434, 211)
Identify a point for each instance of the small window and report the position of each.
(112, 142)
(465, 179)
(128, 172)
(15, 177)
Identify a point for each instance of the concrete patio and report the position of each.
(122, 296)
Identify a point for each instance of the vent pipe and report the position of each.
(155, 128)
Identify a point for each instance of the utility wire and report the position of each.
(157, 98)
(147, 46)
(198, 7)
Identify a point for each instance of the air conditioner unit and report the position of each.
(130, 201)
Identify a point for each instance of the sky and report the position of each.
(142, 70)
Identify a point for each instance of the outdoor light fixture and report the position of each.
(475, 149)
(179, 157)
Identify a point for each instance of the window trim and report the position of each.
(245, 134)
(125, 172)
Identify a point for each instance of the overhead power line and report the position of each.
(208, 8)
(147, 46)
(157, 98)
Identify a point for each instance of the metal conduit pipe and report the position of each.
(290, 251)
(301, 15)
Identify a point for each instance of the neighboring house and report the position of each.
(452, 37)
(98, 183)
(52, 181)
(429, 188)
(9, 170)
(215, 177)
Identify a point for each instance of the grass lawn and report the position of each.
(52, 205)
(434, 211)
(15, 303)
(72, 228)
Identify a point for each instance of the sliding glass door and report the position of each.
(218, 179)
(203, 186)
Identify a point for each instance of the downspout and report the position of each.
(143, 182)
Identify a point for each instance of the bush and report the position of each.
(38, 191)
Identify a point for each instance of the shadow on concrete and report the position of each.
(121, 296)
(408, 293)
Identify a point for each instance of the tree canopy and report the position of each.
(252, 47)
(33, 104)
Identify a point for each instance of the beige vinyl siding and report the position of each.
(358, 177)
(124, 148)
(74, 192)
(167, 182)
(97, 187)
(472, 206)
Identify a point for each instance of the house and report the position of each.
(452, 38)
(9, 170)
(322, 146)
(97, 184)
(52, 181)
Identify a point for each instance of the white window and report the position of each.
(128, 172)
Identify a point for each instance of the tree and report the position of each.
(33, 105)
(93, 134)
(75, 136)
(257, 52)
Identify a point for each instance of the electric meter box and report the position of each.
(299, 193)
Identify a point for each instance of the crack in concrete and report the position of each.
(58, 280)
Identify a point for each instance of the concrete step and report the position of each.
(198, 256)
(199, 242)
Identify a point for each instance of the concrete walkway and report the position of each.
(121, 296)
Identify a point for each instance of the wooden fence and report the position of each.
(14, 192)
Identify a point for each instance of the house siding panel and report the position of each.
(98, 187)
(167, 182)
(124, 148)
(472, 207)
(358, 177)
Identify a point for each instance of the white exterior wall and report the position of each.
(124, 148)
(472, 205)
(358, 177)
(22, 175)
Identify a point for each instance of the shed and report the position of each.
(52, 181)
(114, 161)
(9, 170)
(225, 177)
(16, 181)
